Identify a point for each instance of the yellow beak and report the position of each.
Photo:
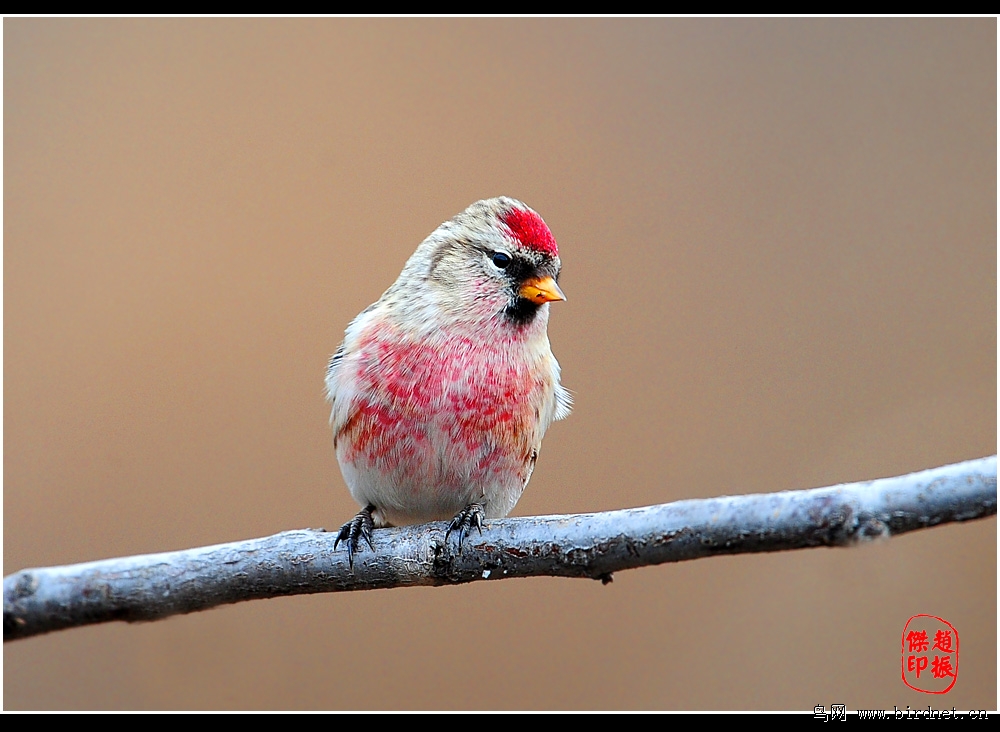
(541, 290)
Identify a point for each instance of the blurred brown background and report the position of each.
(779, 246)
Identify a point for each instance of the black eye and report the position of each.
(500, 260)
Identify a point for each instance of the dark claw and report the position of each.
(351, 533)
(471, 515)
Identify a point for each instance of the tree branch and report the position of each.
(592, 545)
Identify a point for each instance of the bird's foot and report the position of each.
(471, 515)
(351, 533)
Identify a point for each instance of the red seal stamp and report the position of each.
(930, 654)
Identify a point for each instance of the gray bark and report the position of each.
(593, 545)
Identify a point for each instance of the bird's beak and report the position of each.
(541, 290)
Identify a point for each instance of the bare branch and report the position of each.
(592, 545)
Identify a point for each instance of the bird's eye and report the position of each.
(500, 260)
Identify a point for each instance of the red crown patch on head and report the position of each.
(529, 229)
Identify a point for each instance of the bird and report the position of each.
(442, 389)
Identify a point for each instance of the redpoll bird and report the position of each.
(443, 389)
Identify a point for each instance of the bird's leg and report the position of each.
(354, 530)
(471, 515)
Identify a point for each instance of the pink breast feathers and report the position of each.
(457, 395)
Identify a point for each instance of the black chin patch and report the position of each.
(521, 311)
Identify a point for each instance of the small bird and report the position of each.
(443, 388)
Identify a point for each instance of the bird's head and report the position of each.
(496, 264)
